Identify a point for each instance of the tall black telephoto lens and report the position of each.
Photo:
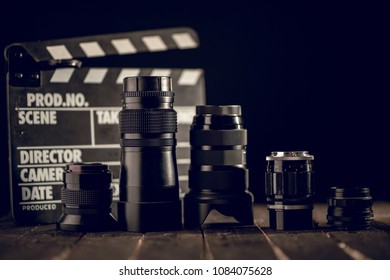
(218, 177)
(87, 198)
(289, 190)
(350, 208)
(149, 190)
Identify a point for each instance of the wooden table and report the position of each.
(219, 240)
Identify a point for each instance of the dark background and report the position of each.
(309, 76)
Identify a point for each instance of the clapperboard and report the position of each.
(60, 112)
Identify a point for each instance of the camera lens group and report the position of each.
(218, 174)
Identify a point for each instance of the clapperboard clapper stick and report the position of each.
(60, 112)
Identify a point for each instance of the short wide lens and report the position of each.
(350, 207)
(218, 177)
(87, 198)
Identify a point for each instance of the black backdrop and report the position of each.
(309, 76)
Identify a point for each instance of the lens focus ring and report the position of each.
(218, 137)
(86, 197)
(148, 94)
(148, 121)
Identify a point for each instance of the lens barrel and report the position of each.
(86, 198)
(289, 190)
(149, 191)
(350, 207)
(218, 177)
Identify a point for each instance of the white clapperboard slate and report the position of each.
(60, 112)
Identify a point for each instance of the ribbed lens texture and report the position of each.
(148, 121)
(289, 189)
(350, 207)
(86, 197)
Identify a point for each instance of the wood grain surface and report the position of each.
(219, 238)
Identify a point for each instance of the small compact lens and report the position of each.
(350, 207)
(218, 177)
(86, 198)
(289, 190)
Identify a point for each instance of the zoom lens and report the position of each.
(350, 207)
(218, 177)
(149, 191)
(289, 190)
(86, 198)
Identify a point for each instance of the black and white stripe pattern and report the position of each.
(188, 84)
(114, 44)
(90, 126)
(187, 77)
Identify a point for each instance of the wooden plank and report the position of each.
(39, 242)
(106, 246)
(221, 239)
(225, 239)
(262, 218)
(382, 215)
(319, 215)
(9, 236)
(372, 243)
(237, 242)
(306, 245)
(381, 209)
(361, 244)
(358, 245)
(260, 215)
(303, 245)
(6, 222)
(175, 245)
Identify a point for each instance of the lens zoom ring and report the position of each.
(148, 94)
(148, 121)
(218, 137)
(86, 197)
